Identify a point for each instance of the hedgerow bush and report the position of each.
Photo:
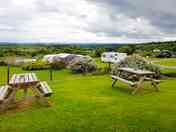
(37, 65)
(3, 63)
(135, 62)
(57, 65)
(82, 65)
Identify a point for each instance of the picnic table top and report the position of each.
(24, 78)
(137, 72)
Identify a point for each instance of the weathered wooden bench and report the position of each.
(154, 82)
(136, 85)
(151, 79)
(115, 78)
(4, 91)
(44, 89)
(140, 75)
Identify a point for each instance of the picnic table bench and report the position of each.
(44, 89)
(4, 91)
(24, 81)
(143, 75)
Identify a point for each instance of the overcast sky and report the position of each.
(98, 21)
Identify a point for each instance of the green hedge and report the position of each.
(37, 65)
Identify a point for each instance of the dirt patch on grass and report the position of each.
(20, 106)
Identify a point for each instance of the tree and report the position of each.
(129, 49)
(98, 52)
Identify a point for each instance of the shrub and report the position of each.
(82, 65)
(145, 54)
(3, 63)
(57, 65)
(101, 71)
(37, 65)
(98, 52)
(136, 62)
(129, 49)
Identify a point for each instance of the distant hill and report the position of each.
(92, 45)
(161, 45)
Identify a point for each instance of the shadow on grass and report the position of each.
(24, 105)
(123, 90)
(169, 74)
(143, 91)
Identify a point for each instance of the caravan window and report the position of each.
(104, 56)
(111, 56)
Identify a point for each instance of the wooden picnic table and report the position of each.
(141, 74)
(137, 71)
(24, 81)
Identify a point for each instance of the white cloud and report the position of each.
(72, 21)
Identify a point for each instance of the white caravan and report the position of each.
(113, 57)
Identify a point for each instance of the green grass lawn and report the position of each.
(100, 64)
(153, 59)
(167, 62)
(163, 61)
(85, 103)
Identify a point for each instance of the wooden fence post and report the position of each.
(109, 66)
(51, 74)
(8, 74)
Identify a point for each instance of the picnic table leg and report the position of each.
(25, 91)
(114, 82)
(155, 85)
(138, 86)
(10, 101)
(42, 100)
